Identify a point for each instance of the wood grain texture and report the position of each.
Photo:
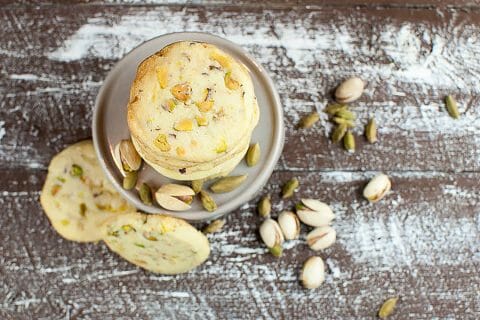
(421, 243)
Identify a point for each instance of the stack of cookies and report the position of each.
(192, 110)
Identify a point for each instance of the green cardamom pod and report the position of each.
(349, 141)
(339, 132)
(452, 107)
(345, 114)
(289, 188)
(197, 185)
(76, 171)
(227, 184)
(371, 131)
(253, 155)
(276, 250)
(214, 226)
(332, 109)
(130, 180)
(309, 120)
(387, 308)
(349, 123)
(207, 201)
(264, 207)
(145, 194)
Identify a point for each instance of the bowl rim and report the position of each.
(270, 161)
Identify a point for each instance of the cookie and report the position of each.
(77, 197)
(191, 106)
(157, 243)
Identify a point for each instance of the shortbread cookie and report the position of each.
(77, 197)
(157, 243)
(191, 103)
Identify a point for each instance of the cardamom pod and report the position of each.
(339, 132)
(76, 171)
(197, 185)
(227, 184)
(309, 120)
(253, 155)
(130, 180)
(346, 114)
(265, 207)
(207, 201)
(276, 250)
(289, 188)
(332, 109)
(145, 194)
(349, 141)
(387, 308)
(214, 226)
(371, 131)
(349, 123)
(452, 107)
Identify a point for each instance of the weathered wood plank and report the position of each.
(430, 4)
(410, 58)
(420, 243)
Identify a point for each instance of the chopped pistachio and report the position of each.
(76, 170)
(83, 209)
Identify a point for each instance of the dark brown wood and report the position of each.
(421, 243)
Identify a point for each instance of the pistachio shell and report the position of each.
(313, 273)
(315, 213)
(321, 238)
(377, 188)
(349, 90)
(176, 190)
(271, 233)
(129, 156)
(290, 225)
(170, 203)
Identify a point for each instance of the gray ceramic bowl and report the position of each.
(110, 126)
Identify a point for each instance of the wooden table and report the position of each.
(421, 243)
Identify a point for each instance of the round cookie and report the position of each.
(192, 102)
(157, 243)
(77, 196)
